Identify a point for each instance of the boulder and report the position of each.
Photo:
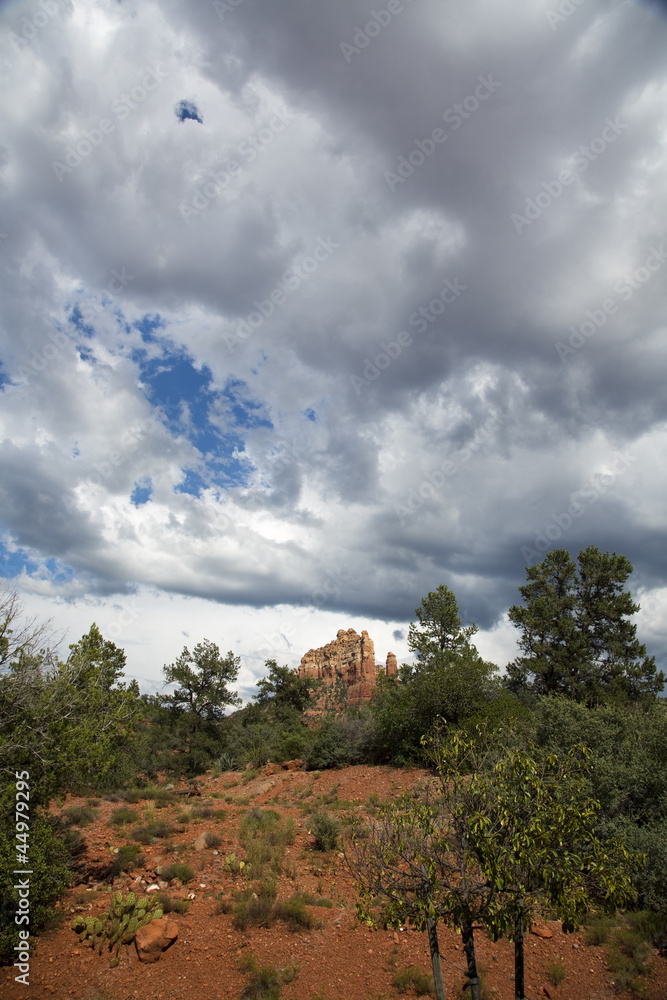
(152, 939)
(541, 930)
(200, 842)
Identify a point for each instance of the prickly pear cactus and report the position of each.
(119, 925)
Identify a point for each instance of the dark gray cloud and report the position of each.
(428, 250)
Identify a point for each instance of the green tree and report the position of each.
(203, 676)
(576, 638)
(439, 626)
(534, 834)
(455, 685)
(284, 690)
(419, 859)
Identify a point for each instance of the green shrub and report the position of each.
(151, 831)
(121, 816)
(311, 900)
(556, 972)
(52, 849)
(264, 982)
(599, 929)
(79, 815)
(412, 978)
(213, 840)
(293, 912)
(170, 905)
(325, 829)
(128, 858)
(248, 776)
(177, 870)
(626, 957)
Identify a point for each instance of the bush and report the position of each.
(264, 982)
(293, 912)
(79, 815)
(339, 742)
(412, 978)
(51, 862)
(151, 831)
(170, 905)
(626, 957)
(599, 929)
(128, 858)
(325, 829)
(177, 870)
(556, 972)
(121, 816)
(213, 840)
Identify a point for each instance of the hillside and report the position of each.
(336, 959)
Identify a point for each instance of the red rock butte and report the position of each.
(350, 658)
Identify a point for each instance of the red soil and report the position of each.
(340, 961)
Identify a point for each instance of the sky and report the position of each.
(309, 308)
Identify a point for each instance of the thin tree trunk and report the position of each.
(433, 944)
(467, 936)
(518, 957)
(435, 959)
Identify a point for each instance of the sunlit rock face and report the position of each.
(349, 659)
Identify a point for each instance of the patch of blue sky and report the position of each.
(310, 414)
(213, 420)
(192, 484)
(80, 325)
(141, 493)
(148, 325)
(4, 379)
(14, 561)
(59, 572)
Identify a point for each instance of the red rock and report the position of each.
(541, 930)
(391, 668)
(349, 660)
(152, 939)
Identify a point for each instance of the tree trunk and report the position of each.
(435, 959)
(518, 957)
(433, 944)
(467, 936)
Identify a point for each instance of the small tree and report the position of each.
(439, 626)
(534, 835)
(419, 856)
(203, 676)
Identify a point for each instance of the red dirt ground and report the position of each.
(340, 961)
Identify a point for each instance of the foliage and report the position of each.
(203, 676)
(120, 925)
(128, 859)
(79, 815)
(412, 978)
(284, 691)
(453, 685)
(179, 871)
(556, 972)
(339, 742)
(325, 830)
(576, 636)
(439, 627)
(51, 863)
(627, 775)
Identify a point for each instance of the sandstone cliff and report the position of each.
(349, 659)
